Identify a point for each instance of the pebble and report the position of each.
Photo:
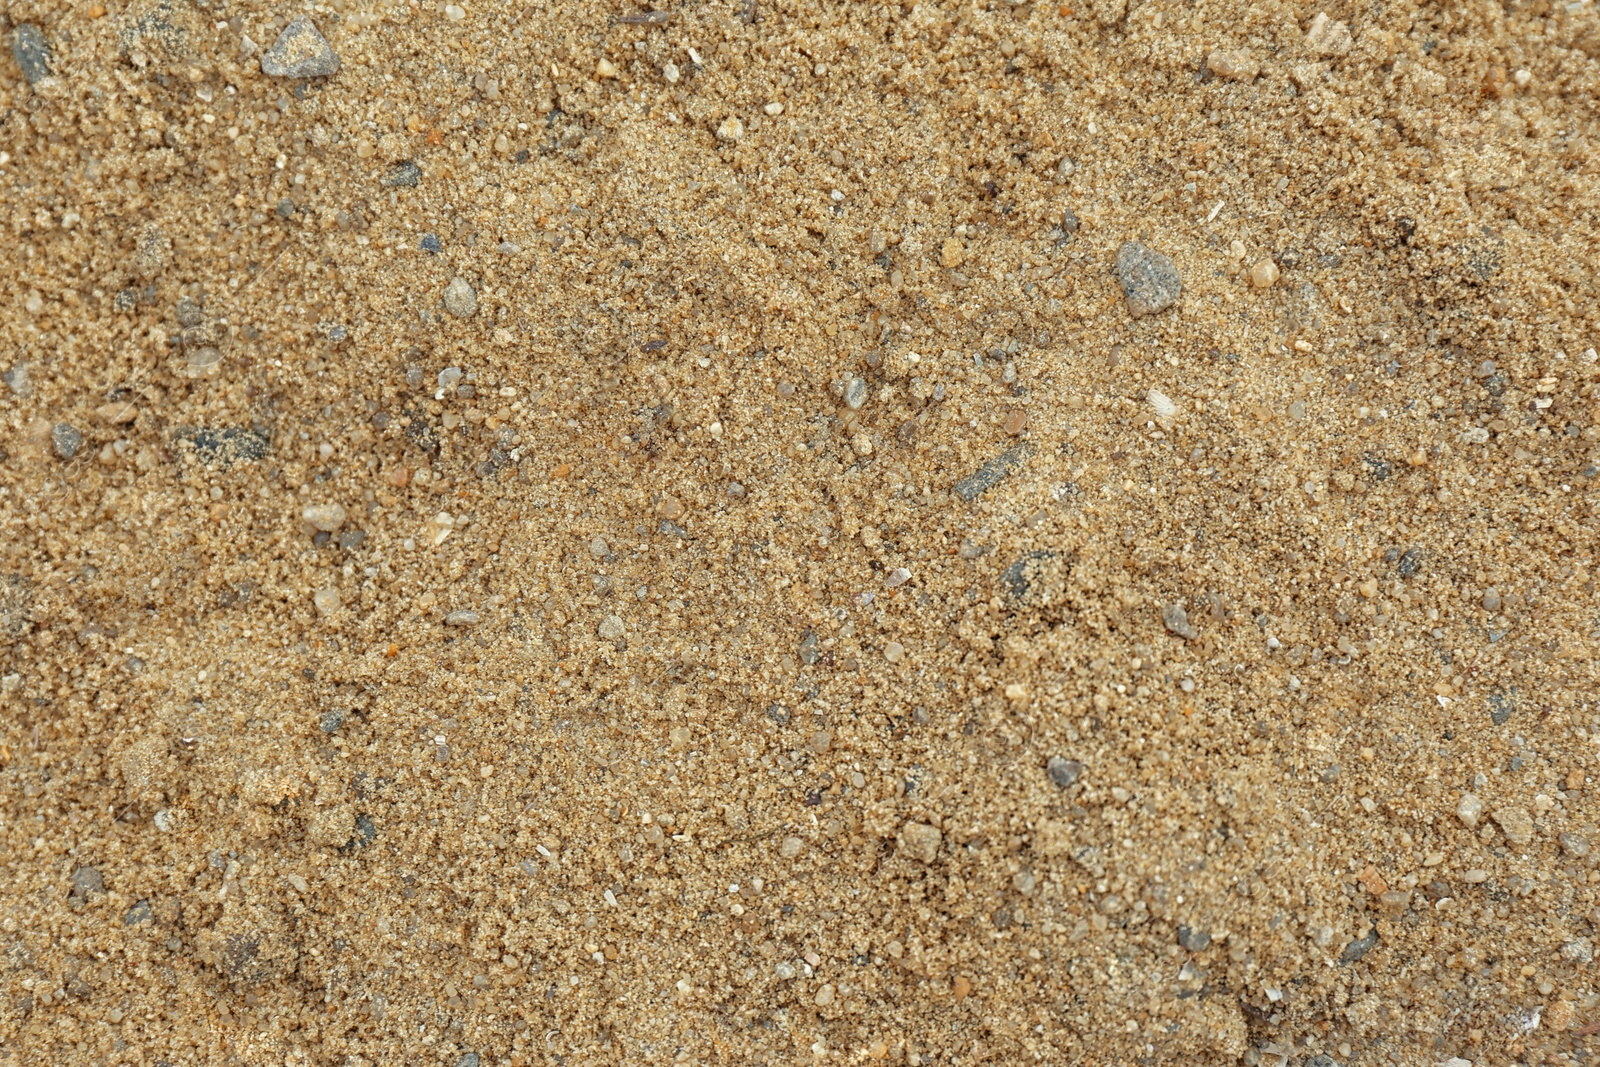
(468, 1059)
(1063, 772)
(1150, 280)
(65, 440)
(731, 129)
(87, 880)
(1359, 947)
(32, 52)
(1162, 404)
(952, 253)
(1475, 876)
(1410, 563)
(1069, 222)
(137, 914)
(1176, 620)
(1016, 422)
(463, 617)
(350, 539)
(331, 721)
(300, 52)
(970, 549)
(612, 628)
(1233, 65)
(735, 490)
(1491, 599)
(326, 601)
(1327, 37)
(670, 508)
(403, 175)
(1193, 940)
(1516, 823)
(855, 393)
(1264, 274)
(791, 848)
(897, 577)
(599, 549)
(894, 651)
(325, 517)
(226, 445)
(430, 243)
(460, 299)
(204, 362)
(1574, 844)
(921, 841)
(992, 472)
(19, 380)
(284, 208)
(1468, 809)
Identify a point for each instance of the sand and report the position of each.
(567, 535)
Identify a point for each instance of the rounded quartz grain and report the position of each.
(325, 517)
(1063, 772)
(460, 299)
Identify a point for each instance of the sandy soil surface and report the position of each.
(771, 533)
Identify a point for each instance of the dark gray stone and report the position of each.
(331, 721)
(224, 445)
(1150, 280)
(403, 175)
(430, 243)
(32, 52)
(300, 52)
(65, 440)
(1502, 705)
(1193, 940)
(284, 208)
(468, 1059)
(1069, 222)
(1410, 563)
(1358, 948)
(1381, 468)
(139, 913)
(1176, 620)
(1330, 774)
(351, 539)
(991, 473)
(1063, 772)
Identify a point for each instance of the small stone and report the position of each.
(139, 913)
(1063, 772)
(1264, 274)
(166, 820)
(1069, 222)
(326, 601)
(736, 491)
(894, 652)
(284, 208)
(861, 444)
(300, 52)
(1330, 774)
(970, 549)
(325, 517)
(791, 848)
(1501, 707)
(19, 379)
(855, 393)
(670, 508)
(463, 617)
(1176, 620)
(774, 109)
(32, 52)
(1491, 599)
(1468, 809)
(1016, 422)
(1410, 563)
(1017, 693)
(1162, 404)
(1516, 823)
(116, 413)
(87, 880)
(992, 472)
(670, 72)
(1574, 844)
(820, 742)
(605, 69)
(1475, 876)
(824, 996)
(1394, 902)
(612, 628)
(1234, 65)
(921, 841)
(430, 244)
(730, 130)
(1359, 948)
(403, 175)
(1578, 950)
(599, 549)
(1150, 280)
(151, 252)
(1193, 940)
(460, 299)
(203, 362)
(952, 253)
(809, 650)
(331, 721)
(897, 577)
(351, 539)
(1327, 37)
(65, 440)
(468, 1059)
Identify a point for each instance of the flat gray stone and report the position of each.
(1150, 280)
(300, 52)
(988, 475)
(32, 52)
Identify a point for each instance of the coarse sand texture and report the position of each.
(757, 533)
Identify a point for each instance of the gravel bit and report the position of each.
(1176, 620)
(464, 617)
(855, 393)
(1069, 222)
(300, 52)
(1193, 940)
(1063, 772)
(991, 473)
(460, 299)
(65, 440)
(921, 841)
(325, 517)
(1359, 947)
(331, 721)
(403, 175)
(32, 52)
(1150, 280)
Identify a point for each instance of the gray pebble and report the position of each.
(1410, 562)
(735, 490)
(32, 52)
(1063, 772)
(1358, 948)
(468, 1059)
(86, 881)
(65, 439)
(351, 539)
(1573, 844)
(460, 299)
(991, 473)
(300, 52)
(1069, 222)
(224, 446)
(1502, 706)
(1491, 599)
(139, 913)
(19, 379)
(855, 393)
(430, 243)
(1150, 280)
(331, 721)
(1176, 620)
(809, 650)
(1330, 774)
(464, 617)
(1193, 940)
(126, 299)
(284, 208)
(189, 312)
(403, 175)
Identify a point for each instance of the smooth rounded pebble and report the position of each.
(460, 299)
(1150, 280)
(325, 517)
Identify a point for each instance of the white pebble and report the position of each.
(774, 109)
(1163, 405)
(326, 601)
(324, 517)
